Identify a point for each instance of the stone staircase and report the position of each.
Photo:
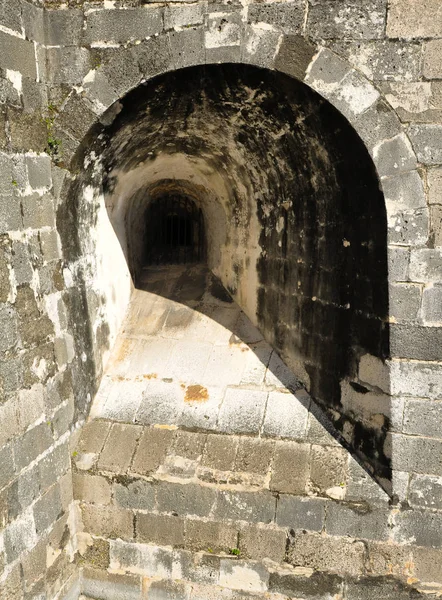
(205, 472)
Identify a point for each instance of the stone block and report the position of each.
(34, 564)
(328, 468)
(255, 507)
(436, 225)
(286, 415)
(153, 56)
(294, 56)
(98, 583)
(9, 419)
(17, 55)
(418, 379)
(183, 15)
(355, 20)
(200, 568)
(162, 530)
(315, 585)
(77, 116)
(240, 575)
(425, 265)
(287, 17)
(210, 536)
(417, 454)
(422, 528)
(300, 513)
(108, 521)
(254, 455)
(152, 449)
(425, 491)
(259, 48)
(290, 467)
(8, 327)
(404, 192)
(432, 59)
(422, 417)
(22, 493)
(427, 564)
(147, 559)
(93, 436)
(242, 411)
(38, 211)
(67, 65)
(136, 494)
(126, 25)
(187, 47)
(338, 555)
(189, 445)
(382, 60)
(349, 520)
(10, 14)
(405, 301)
(39, 171)
(413, 341)
(119, 448)
(10, 213)
(394, 156)
(258, 542)
(170, 590)
(27, 134)
(30, 405)
(63, 27)
(47, 509)
(91, 488)
(370, 587)
(19, 536)
(185, 499)
(432, 305)
(220, 452)
(33, 443)
(409, 20)
(427, 142)
(7, 471)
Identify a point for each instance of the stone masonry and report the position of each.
(104, 495)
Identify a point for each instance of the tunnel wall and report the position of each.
(61, 69)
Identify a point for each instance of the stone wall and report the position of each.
(63, 70)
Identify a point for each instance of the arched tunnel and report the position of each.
(255, 175)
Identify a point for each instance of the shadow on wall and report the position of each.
(296, 226)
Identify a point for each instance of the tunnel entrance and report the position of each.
(174, 231)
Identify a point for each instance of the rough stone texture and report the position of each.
(410, 21)
(290, 467)
(119, 448)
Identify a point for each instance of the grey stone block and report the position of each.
(317, 585)
(259, 49)
(93, 436)
(410, 21)
(210, 536)
(356, 20)
(422, 417)
(258, 542)
(398, 262)
(108, 586)
(137, 494)
(169, 590)
(8, 327)
(187, 47)
(152, 449)
(254, 455)
(19, 536)
(91, 488)
(183, 15)
(300, 513)
(77, 116)
(63, 27)
(7, 471)
(38, 211)
(10, 213)
(423, 528)
(163, 530)
(425, 265)
(394, 156)
(427, 141)
(67, 65)
(328, 467)
(199, 568)
(123, 25)
(33, 443)
(10, 14)
(405, 301)
(242, 411)
(189, 445)
(404, 192)
(350, 520)
(47, 509)
(18, 55)
(286, 415)
(53, 466)
(22, 265)
(425, 491)
(153, 56)
(245, 506)
(108, 521)
(242, 575)
(411, 453)
(33, 22)
(24, 490)
(413, 341)
(220, 452)
(185, 500)
(39, 171)
(432, 305)
(119, 448)
(290, 467)
(372, 588)
(287, 17)
(409, 227)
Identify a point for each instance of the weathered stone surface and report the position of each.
(394, 156)
(152, 449)
(97, 582)
(47, 509)
(245, 506)
(136, 494)
(220, 452)
(301, 586)
(410, 21)
(17, 54)
(246, 420)
(421, 417)
(287, 17)
(63, 28)
(240, 575)
(405, 300)
(432, 305)
(358, 20)
(253, 455)
(193, 41)
(353, 522)
(286, 415)
(290, 467)
(210, 536)
(108, 521)
(425, 265)
(425, 491)
(67, 65)
(300, 513)
(432, 59)
(436, 225)
(187, 499)
(118, 450)
(91, 488)
(328, 467)
(122, 25)
(427, 141)
(413, 341)
(20, 536)
(259, 542)
(33, 443)
(418, 454)
(160, 529)
(420, 527)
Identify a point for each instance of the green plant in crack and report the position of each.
(234, 551)
(53, 144)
